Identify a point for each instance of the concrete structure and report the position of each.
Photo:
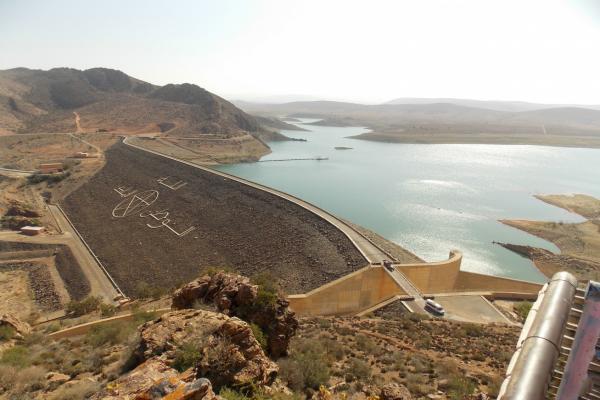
(350, 294)
(32, 230)
(373, 287)
(50, 168)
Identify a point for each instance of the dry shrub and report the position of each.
(78, 391)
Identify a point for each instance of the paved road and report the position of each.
(99, 282)
(372, 253)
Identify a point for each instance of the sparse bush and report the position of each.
(187, 356)
(30, 379)
(307, 367)
(17, 356)
(260, 336)
(474, 330)
(522, 309)
(111, 334)
(85, 306)
(81, 390)
(107, 310)
(360, 370)
(145, 291)
(460, 387)
(50, 178)
(6, 332)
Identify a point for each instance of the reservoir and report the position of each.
(431, 198)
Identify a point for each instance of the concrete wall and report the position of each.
(350, 294)
(446, 277)
(470, 281)
(436, 277)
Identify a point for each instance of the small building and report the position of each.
(32, 230)
(50, 168)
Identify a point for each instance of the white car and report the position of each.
(434, 307)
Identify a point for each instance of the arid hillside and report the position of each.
(106, 100)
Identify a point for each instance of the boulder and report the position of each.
(226, 351)
(235, 295)
(55, 379)
(395, 391)
(155, 380)
(21, 328)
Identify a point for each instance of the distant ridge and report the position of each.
(510, 106)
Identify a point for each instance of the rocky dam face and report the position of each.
(155, 221)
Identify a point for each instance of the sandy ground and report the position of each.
(579, 243)
(15, 296)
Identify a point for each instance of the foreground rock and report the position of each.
(156, 380)
(21, 329)
(234, 295)
(394, 391)
(217, 347)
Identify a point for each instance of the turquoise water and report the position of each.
(432, 198)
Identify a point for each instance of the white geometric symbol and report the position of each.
(135, 203)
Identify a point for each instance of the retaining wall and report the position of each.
(348, 295)
(436, 277)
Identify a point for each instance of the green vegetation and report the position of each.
(260, 336)
(187, 356)
(230, 394)
(146, 291)
(522, 309)
(17, 222)
(6, 332)
(16, 356)
(85, 306)
(107, 310)
(307, 367)
(50, 178)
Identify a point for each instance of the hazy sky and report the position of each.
(370, 51)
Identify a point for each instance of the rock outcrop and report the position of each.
(395, 391)
(235, 295)
(217, 347)
(154, 379)
(21, 329)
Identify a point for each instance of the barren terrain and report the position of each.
(232, 225)
(429, 356)
(579, 242)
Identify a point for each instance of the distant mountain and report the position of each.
(107, 99)
(449, 122)
(511, 106)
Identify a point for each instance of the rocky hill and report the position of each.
(110, 100)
